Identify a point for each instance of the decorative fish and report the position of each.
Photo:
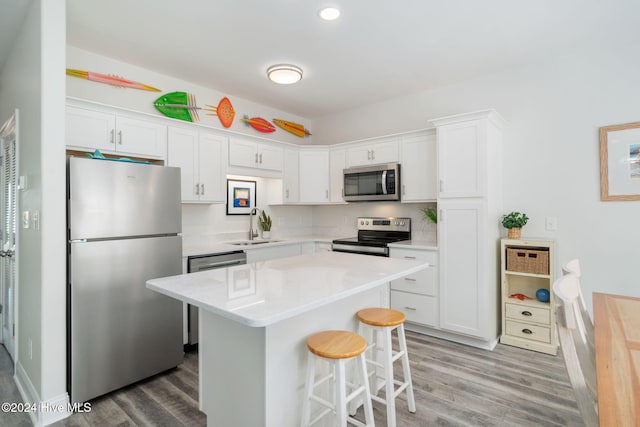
(295, 128)
(110, 80)
(182, 106)
(259, 124)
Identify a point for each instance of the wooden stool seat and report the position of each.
(336, 344)
(381, 317)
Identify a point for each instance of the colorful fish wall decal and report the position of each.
(259, 124)
(295, 128)
(182, 106)
(110, 80)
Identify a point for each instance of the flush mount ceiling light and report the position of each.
(284, 74)
(329, 13)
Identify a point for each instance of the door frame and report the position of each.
(9, 338)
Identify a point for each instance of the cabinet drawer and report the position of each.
(423, 282)
(429, 256)
(528, 314)
(418, 308)
(528, 331)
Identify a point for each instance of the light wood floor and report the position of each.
(455, 385)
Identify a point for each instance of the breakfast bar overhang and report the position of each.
(255, 319)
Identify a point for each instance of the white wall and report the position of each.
(551, 151)
(33, 81)
(142, 101)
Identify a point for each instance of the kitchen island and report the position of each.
(255, 319)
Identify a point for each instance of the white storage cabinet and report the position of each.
(373, 152)
(256, 155)
(416, 295)
(418, 169)
(115, 133)
(200, 157)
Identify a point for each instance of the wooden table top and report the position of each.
(617, 336)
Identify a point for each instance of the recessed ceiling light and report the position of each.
(329, 13)
(284, 74)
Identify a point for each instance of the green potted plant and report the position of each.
(514, 222)
(264, 222)
(430, 214)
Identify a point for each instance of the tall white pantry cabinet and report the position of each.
(469, 152)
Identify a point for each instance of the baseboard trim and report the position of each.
(48, 411)
(462, 339)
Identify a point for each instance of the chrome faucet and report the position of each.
(252, 233)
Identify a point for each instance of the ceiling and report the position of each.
(376, 50)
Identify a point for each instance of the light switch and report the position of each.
(551, 223)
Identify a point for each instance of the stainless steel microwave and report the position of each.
(372, 183)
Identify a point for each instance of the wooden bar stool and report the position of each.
(382, 321)
(337, 348)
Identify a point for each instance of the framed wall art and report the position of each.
(620, 162)
(241, 196)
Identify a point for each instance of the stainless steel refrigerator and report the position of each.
(123, 224)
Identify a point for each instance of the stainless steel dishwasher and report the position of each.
(208, 262)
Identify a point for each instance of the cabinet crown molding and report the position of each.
(490, 114)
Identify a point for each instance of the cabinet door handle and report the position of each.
(202, 190)
(409, 257)
(409, 279)
(410, 308)
(112, 136)
(441, 185)
(197, 189)
(326, 194)
(120, 137)
(526, 313)
(404, 190)
(260, 158)
(256, 158)
(373, 155)
(368, 154)
(441, 217)
(286, 192)
(527, 331)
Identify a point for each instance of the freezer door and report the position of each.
(110, 199)
(120, 331)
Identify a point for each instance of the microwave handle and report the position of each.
(384, 182)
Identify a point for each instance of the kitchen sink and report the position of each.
(253, 242)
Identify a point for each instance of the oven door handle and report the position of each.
(364, 250)
(384, 182)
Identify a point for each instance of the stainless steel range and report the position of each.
(374, 235)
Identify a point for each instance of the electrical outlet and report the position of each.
(551, 223)
(25, 219)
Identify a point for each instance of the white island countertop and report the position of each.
(263, 293)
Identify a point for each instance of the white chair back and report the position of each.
(573, 267)
(579, 355)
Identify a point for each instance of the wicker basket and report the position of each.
(534, 261)
(514, 233)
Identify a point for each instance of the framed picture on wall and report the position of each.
(620, 162)
(241, 196)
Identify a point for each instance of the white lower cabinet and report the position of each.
(273, 252)
(200, 157)
(416, 295)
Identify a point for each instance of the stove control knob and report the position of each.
(361, 222)
(367, 222)
(402, 223)
(397, 222)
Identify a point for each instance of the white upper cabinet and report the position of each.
(291, 177)
(115, 133)
(337, 164)
(314, 176)
(373, 152)
(463, 153)
(256, 155)
(200, 157)
(418, 167)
